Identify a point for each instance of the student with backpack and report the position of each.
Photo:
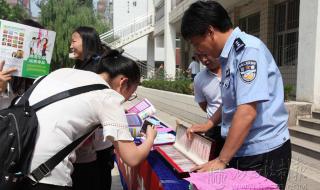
(64, 121)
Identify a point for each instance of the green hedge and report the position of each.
(185, 86)
(179, 86)
(288, 92)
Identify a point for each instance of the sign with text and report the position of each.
(26, 48)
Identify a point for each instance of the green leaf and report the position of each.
(63, 16)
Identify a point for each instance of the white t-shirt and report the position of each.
(64, 121)
(194, 67)
(207, 89)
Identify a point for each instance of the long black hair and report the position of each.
(202, 14)
(113, 63)
(91, 46)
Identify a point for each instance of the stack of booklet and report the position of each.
(137, 114)
(186, 153)
(140, 116)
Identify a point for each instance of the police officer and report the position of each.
(254, 118)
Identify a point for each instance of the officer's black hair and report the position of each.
(116, 64)
(202, 14)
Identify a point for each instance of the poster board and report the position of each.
(26, 48)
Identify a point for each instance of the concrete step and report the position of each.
(304, 173)
(316, 114)
(306, 147)
(305, 133)
(310, 123)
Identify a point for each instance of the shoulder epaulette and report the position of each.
(238, 45)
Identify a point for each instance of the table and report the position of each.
(151, 174)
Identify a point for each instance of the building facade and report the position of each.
(24, 3)
(290, 29)
(127, 12)
(105, 10)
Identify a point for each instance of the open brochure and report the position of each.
(137, 114)
(141, 115)
(26, 48)
(138, 125)
(144, 109)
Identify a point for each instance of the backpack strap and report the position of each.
(45, 168)
(26, 95)
(67, 94)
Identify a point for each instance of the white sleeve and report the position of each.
(113, 120)
(198, 91)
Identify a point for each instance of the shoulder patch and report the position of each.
(248, 70)
(238, 44)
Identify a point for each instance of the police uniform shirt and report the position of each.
(250, 74)
(207, 89)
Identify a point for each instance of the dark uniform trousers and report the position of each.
(215, 134)
(274, 165)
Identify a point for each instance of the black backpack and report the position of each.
(18, 132)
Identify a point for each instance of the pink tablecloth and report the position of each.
(231, 179)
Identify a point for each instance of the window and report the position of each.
(159, 13)
(251, 24)
(128, 7)
(134, 3)
(286, 32)
(178, 42)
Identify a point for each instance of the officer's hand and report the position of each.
(151, 132)
(5, 76)
(212, 165)
(197, 128)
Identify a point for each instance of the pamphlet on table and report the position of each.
(140, 116)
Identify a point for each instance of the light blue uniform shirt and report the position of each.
(250, 74)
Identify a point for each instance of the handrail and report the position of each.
(119, 35)
(125, 25)
(126, 30)
(142, 20)
(144, 67)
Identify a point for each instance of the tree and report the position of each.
(12, 13)
(63, 16)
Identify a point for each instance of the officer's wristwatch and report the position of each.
(224, 162)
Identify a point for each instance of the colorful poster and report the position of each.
(144, 109)
(26, 48)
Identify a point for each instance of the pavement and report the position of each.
(304, 171)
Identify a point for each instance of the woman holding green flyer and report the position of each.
(12, 86)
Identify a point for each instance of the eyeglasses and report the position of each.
(133, 96)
